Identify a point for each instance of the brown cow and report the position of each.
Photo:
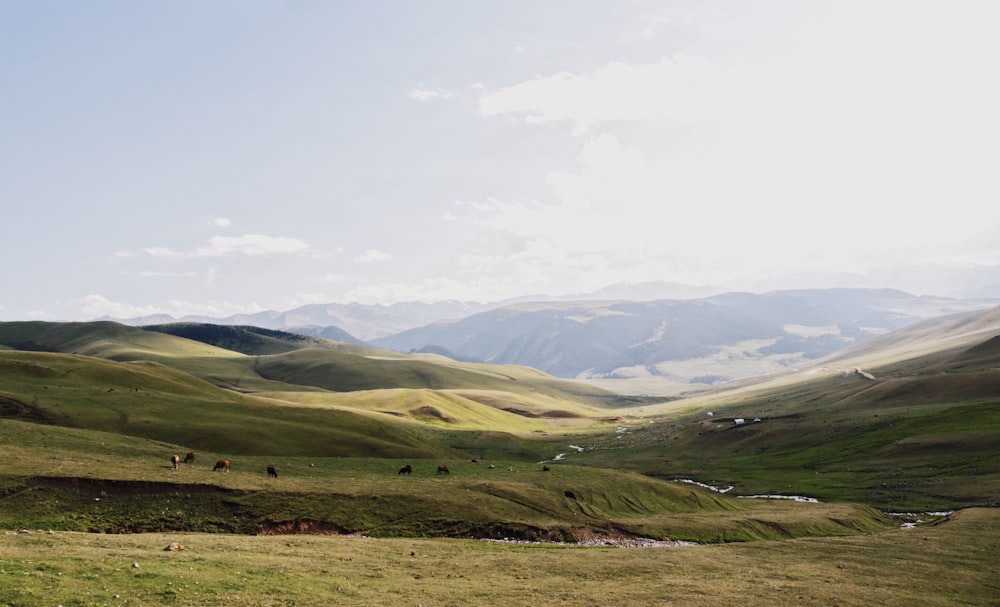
(189, 458)
(443, 470)
(174, 460)
(222, 464)
(271, 472)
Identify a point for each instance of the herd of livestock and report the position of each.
(223, 464)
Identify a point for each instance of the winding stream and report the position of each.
(797, 498)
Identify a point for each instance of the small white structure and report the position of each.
(710, 414)
(864, 374)
(739, 421)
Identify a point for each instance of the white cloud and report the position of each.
(229, 246)
(98, 306)
(615, 92)
(373, 256)
(429, 94)
(164, 253)
(434, 289)
(304, 299)
(158, 274)
(862, 149)
(611, 177)
(222, 222)
(252, 244)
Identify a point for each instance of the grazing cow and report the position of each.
(174, 459)
(271, 472)
(443, 470)
(545, 468)
(189, 458)
(407, 469)
(222, 464)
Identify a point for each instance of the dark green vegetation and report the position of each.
(92, 412)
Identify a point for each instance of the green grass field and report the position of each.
(91, 412)
(951, 563)
(924, 437)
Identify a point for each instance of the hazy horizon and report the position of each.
(230, 157)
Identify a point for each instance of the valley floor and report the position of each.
(949, 563)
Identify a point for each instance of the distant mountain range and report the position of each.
(688, 340)
(364, 322)
(697, 341)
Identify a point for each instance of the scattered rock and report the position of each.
(173, 547)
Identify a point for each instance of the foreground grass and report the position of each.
(951, 563)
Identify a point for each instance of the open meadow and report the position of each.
(424, 481)
(951, 563)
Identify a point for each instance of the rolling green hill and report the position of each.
(333, 399)
(918, 427)
(96, 409)
(150, 400)
(264, 360)
(245, 340)
(72, 479)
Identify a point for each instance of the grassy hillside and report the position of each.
(343, 372)
(245, 340)
(295, 363)
(149, 400)
(340, 367)
(913, 433)
(113, 341)
(436, 408)
(87, 442)
(75, 479)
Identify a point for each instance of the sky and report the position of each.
(214, 158)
